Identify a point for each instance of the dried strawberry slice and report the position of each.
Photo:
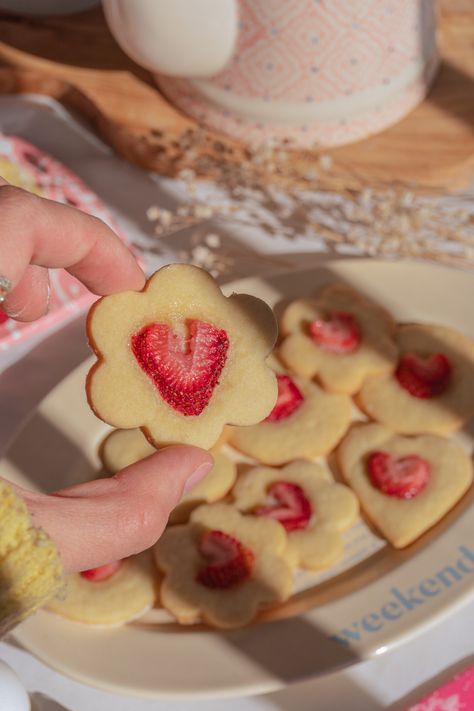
(424, 378)
(289, 399)
(184, 369)
(404, 477)
(291, 508)
(339, 333)
(230, 562)
(103, 572)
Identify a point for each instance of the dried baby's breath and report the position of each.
(212, 240)
(262, 191)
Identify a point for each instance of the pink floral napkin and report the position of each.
(29, 167)
(456, 695)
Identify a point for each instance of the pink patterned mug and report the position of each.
(304, 72)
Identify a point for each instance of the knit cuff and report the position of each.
(30, 569)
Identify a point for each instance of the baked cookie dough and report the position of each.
(180, 360)
(222, 567)
(305, 422)
(110, 595)
(340, 337)
(311, 507)
(404, 484)
(432, 388)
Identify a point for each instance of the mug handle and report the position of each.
(180, 38)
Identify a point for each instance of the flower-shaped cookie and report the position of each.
(432, 388)
(340, 337)
(124, 447)
(312, 508)
(180, 360)
(223, 567)
(110, 595)
(305, 422)
(404, 484)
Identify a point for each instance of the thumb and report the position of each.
(108, 519)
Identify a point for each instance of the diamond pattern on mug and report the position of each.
(268, 71)
(276, 11)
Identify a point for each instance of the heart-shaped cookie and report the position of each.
(432, 387)
(404, 484)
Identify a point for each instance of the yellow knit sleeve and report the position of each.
(30, 568)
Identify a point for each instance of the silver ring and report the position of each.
(5, 288)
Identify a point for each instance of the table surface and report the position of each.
(390, 681)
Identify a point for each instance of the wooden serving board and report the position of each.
(75, 60)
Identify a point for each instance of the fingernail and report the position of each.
(197, 476)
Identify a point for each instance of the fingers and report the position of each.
(109, 519)
(48, 234)
(30, 298)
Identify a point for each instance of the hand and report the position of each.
(107, 519)
(38, 233)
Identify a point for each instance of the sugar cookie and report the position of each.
(120, 448)
(223, 567)
(432, 388)
(180, 360)
(305, 422)
(340, 337)
(124, 447)
(312, 508)
(213, 487)
(110, 595)
(404, 484)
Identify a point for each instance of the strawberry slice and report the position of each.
(339, 333)
(424, 378)
(290, 506)
(289, 399)
(184, 369)
(103, 572)
(3, 316)
(229, 562)
(404, 477)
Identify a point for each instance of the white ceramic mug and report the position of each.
(305, 72)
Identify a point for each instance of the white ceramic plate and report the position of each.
(377, 603)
